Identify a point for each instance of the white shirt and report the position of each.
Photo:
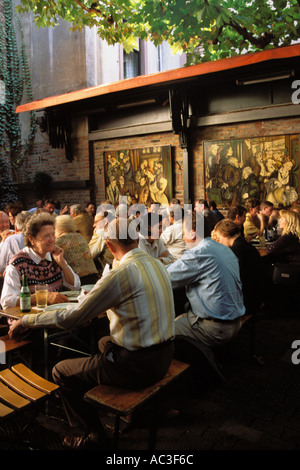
(12, 283)
(11, 246)
(172, 237)
(155, 249)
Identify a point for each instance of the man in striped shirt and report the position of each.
(138, 299)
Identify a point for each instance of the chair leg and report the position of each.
(13, 442)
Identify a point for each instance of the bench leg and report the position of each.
(152, 432)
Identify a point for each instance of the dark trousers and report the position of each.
(114, 366)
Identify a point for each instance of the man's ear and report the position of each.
(189, 235)
(192, 235)
(111, 246)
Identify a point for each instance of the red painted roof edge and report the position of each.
(162, 77)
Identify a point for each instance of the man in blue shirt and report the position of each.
(210, 273)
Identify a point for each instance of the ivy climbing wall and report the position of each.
(14, 72)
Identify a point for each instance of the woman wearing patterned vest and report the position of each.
(42, 261)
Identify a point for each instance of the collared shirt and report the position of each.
(11, 246)
(155, 249)
(137, 296)
(210, 272)
(172, 237)
(97, 243)
(12, 283)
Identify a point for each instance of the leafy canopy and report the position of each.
(204, 29)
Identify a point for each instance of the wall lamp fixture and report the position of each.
(266, 78)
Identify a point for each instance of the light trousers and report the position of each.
(208, 332)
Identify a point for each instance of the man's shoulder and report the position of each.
(241, 246)
(248, 218)
(215, 250)
(208, 243)
(12, 239)
(137, 256)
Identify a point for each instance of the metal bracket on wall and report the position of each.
(59, 129)
(179, 111)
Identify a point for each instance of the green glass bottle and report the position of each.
(25, 299)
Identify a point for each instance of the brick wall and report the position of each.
(43, 158)
(54, 162)
(197, 137)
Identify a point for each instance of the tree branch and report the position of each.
(90, 10)
(110, 19)
(260, 42)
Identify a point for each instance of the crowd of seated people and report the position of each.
(203, 256)
(254, 220)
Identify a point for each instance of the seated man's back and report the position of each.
(210, 272)
(211, 275)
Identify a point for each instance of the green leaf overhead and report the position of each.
(204, 29)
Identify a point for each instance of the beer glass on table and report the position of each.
(41, 295)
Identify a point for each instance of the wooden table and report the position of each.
(262, 250)
(16, 314)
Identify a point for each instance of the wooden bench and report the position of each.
(11, 348)
(20, 389)
(123, 402)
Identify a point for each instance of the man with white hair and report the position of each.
(15, 242)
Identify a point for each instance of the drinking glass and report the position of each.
(41, 295)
